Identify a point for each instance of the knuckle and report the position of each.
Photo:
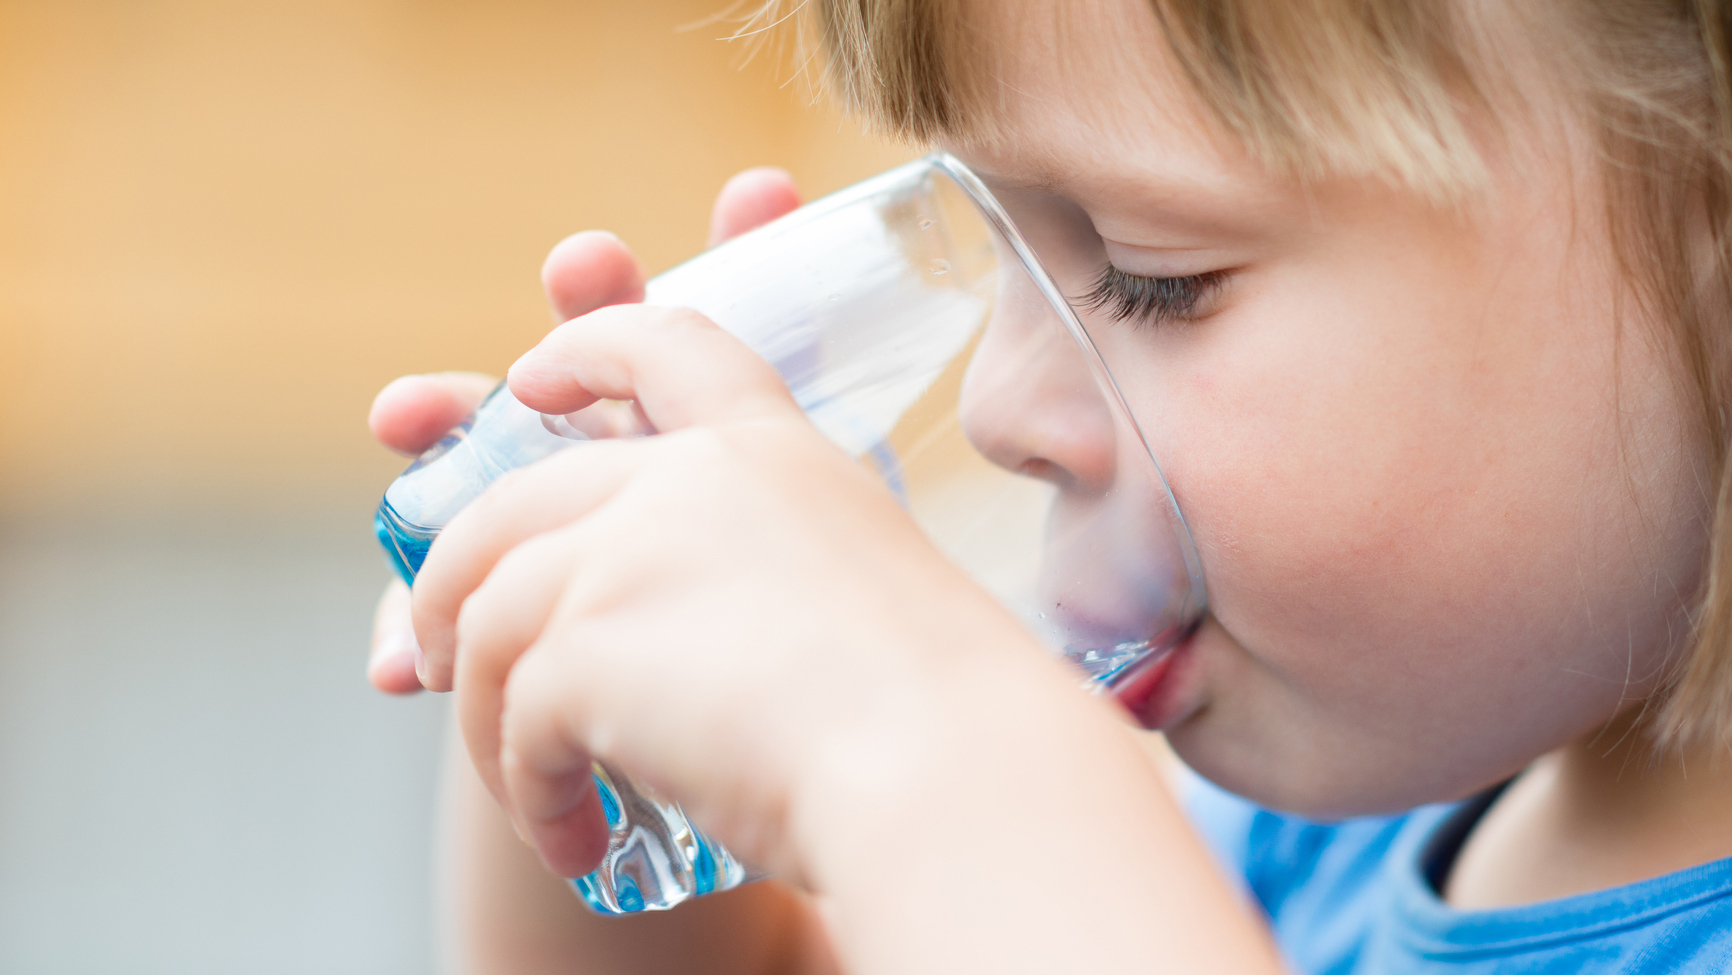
(697, 457)
(497, 498)
(474, 622)
(521, 686)
(698, 446)
(685, 319)
(529, 688)
(567, 330)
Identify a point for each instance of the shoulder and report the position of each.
(1326, 888)
(1286, 861)
(1356, 896)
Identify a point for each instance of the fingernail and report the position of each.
(420, 663)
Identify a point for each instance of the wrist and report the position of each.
(892, 792)
(997, 817)
(1017, 825)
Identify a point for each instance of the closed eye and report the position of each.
(1150, 301)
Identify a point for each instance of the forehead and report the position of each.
(1087, 99)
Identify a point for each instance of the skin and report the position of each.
(1443, 496)
(1433, 479)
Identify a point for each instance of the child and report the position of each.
(1423, 305)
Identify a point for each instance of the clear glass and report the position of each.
(921, 334)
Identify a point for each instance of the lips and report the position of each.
(1148, 692)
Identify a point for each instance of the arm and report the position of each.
(1072, 856)
(859, 715)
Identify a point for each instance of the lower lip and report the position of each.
(1148, 693)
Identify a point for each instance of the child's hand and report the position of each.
(583, 273)
(408, 416)
(721, 609)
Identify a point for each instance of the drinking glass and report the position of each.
(923, 337)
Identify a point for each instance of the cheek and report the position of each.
(1322, 510)
(1417, 525)
(1339, 494)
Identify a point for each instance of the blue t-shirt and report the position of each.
(1359, 897)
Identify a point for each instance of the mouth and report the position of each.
(1136, 674)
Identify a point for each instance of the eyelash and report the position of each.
(1150, 301)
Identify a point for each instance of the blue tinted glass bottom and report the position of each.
(655, 858)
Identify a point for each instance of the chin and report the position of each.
(1254, 746)
(1288, 775)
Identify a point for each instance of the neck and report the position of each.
(1600, 813)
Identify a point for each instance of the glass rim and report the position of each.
(994, 213)
(999, 221)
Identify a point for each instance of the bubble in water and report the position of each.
(927, 223)
(938, 265)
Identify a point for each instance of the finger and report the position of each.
(391, 662)
(505, 615)
(549, 786)
(413, 412)
(525, 503)
(680, 367)
(590, 270)
(750, 200)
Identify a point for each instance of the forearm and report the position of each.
(502, 912)
(988, 840)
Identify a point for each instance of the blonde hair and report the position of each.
(1321, 87)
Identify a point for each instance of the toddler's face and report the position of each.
(1445, 505)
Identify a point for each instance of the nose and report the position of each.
(1030, 403)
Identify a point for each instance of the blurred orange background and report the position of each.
(224, 225)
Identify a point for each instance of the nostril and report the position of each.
(1045, 470)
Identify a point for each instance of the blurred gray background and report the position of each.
(194, 776)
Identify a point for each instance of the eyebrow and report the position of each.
(1181, 197)
(1047, 178)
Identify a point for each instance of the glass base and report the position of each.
(655, 858)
